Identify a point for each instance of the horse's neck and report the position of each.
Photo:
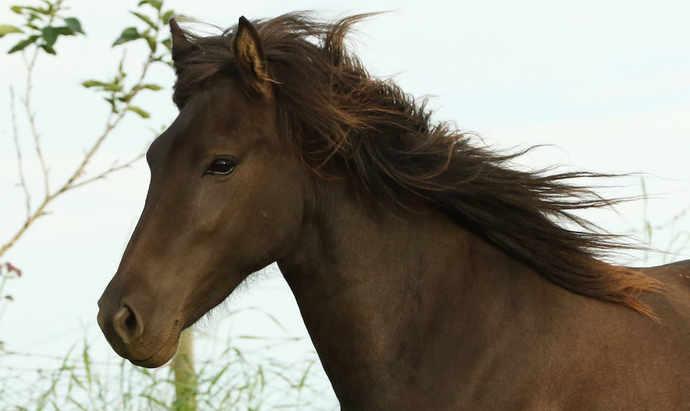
(398, 303)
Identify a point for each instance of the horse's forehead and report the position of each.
(224, 104)
(176, 131)
(221, 110)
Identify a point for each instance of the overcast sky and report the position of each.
(606, 83)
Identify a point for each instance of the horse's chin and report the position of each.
(162, 356)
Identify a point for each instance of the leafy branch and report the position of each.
(39, 25)
(42, 34)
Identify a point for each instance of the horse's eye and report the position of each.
(221, 166)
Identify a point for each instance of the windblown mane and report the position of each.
(351, 125)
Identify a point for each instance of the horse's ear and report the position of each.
(249, 56)
(180, 43)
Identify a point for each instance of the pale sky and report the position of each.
(606, 83)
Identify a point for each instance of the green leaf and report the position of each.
(129, 34)
(87, 363)
(167, 16)
(127, 97)
(106, 86)
(64, 31)
(17, 9)
(74, 24)
(152, 43)
(113, 106)
(23, 44)
(48, 49)
(93, 83)
(112, 87)
(157, 4)
(49, 35)
(7, 29)
(38, 10)
(146, 19)
(154, 87)
(139, 111)
(167, 43)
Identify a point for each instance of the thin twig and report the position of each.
(20, 166)
(104, 174)
(109, 127)
(30, 64)
(33, 217)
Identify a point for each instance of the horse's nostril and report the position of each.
(131, 322)
(126, 324)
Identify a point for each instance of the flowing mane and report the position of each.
(350, 125)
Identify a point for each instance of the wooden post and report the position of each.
(185, 378)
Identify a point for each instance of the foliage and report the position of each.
(41, 26)
(156, 20)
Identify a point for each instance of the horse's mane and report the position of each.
(351, 125)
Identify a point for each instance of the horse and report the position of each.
(431, 273)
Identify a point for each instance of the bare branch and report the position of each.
(107, 172)
(72, 182)
(39, 212)
(20, 166)
(30, 64)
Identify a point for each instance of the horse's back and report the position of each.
(675, 295)
(669, 339)
(630, 361)
(672, 304)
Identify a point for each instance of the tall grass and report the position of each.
(670, 234)
(234, 378)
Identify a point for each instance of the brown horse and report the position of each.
(430, 275)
